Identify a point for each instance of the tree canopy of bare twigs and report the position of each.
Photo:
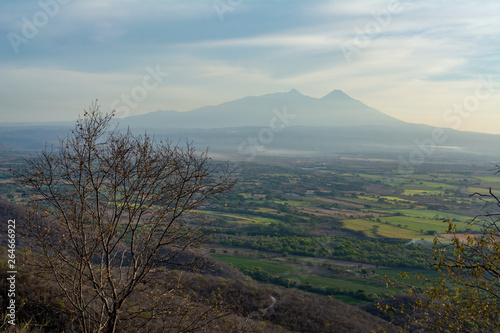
(107, 208)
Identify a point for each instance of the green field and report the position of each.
(477, 189)
(421, 192)
(418, 224)
(363, 200)
(295, 203)
(344, 284)
(373, 177)
(384, 230)
(408, 227)
(491, 179)
(242, 218)
(241, 262)
(294, 274)
(398, 200)
(393, 274)
(426, 187)
(431, 214)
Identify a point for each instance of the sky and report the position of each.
(432, 62)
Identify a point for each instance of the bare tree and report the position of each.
(108, 208)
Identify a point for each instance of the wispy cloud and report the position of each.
(427, 56)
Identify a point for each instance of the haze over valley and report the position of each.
(241, 166)
(284, 124)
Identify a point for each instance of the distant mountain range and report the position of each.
(333, 110)
(284, 124)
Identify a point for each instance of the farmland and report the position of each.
(334, 227)
(337, 227)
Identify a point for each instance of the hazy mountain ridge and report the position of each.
(288, 123)
(335, 110)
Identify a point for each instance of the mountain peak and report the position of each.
(336, 94)
(294, 92)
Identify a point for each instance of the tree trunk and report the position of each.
(112, 321)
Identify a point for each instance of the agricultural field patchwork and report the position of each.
(334, 227)
(288, 222)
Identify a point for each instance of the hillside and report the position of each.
(239, 297)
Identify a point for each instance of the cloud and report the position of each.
(428, 55)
